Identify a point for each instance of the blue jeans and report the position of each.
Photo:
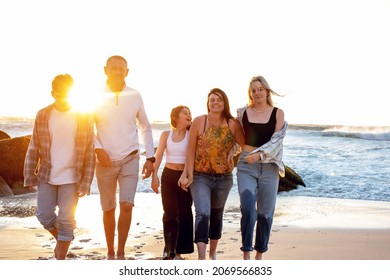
(64, 197)
(258, 188)
(209, 193)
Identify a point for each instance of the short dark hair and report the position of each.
(116, 57)
(62, 83)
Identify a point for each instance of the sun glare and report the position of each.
(82, 99)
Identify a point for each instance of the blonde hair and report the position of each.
(265, 84)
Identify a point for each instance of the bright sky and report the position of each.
(330, 58)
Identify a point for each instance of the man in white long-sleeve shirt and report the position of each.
(117, 120)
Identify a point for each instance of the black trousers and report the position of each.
(178, 221)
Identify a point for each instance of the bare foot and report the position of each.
(259, 256)
(120, 257)
(110, 257)
(178, 257)
(247, 255)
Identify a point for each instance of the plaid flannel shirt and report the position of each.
(272, 151)
(37, 165)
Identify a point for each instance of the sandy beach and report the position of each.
(305, 228)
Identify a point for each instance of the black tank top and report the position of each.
(257, 134)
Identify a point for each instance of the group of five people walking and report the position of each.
(198, 170)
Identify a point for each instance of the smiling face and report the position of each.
(215, 103)
(116, 71)
(257, 93)
(185, 117)
(181, 117)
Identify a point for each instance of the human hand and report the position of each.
(184, 183)
(147, 169)
(103, 158)
(33, 188)
(231, 155)
(81, 194)
(251, 158)
(155, 183)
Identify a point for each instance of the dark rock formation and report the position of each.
(5, 190)
(4, 135)
(290, 181)
(12, 155)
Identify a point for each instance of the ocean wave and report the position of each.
(366, 134)
(375, 133)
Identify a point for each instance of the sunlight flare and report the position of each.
(82, 99)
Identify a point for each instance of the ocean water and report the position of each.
(334, 161)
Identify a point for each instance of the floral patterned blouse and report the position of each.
(213, 149)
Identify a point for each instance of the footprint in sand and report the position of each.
(85, 240)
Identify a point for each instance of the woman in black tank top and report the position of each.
(257, 173)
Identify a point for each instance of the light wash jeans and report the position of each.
(209, 194)
(66, 198)
(258, 188)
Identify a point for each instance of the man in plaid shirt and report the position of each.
(60, 163)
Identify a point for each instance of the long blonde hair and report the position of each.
(265, 84)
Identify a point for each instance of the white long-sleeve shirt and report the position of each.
(117, 120)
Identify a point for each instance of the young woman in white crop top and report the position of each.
(177, 202)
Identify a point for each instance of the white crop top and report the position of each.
(176, 151)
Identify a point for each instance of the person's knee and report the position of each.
(126, 207)
(109, 213)
(247, 199)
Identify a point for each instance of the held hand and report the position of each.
(103, 158)
(184, 183)
(231, 155)
(33, 188)
(147, 170)
(251, 158)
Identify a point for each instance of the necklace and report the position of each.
(212, 123)
(260, 111)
